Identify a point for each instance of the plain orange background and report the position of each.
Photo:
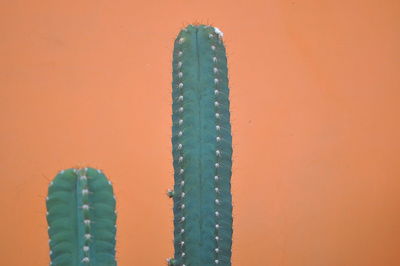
(315, 123)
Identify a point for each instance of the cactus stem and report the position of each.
(79, 220)
(202, 164)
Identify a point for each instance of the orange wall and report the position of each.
(315, 93)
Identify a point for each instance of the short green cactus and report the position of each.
(202, 149)
(81, 219)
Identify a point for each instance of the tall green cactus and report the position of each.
(81, 219)
(202, 149)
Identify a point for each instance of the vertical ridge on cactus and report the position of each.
(81, 219)
(202, 149)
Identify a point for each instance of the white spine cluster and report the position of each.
(218, 152)
(85, 211)
(180, 146)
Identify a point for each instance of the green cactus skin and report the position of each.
(81, 219)
(202, 149)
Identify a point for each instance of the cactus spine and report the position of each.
(202, 149)
(81, 219)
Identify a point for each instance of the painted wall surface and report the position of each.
(315, 90)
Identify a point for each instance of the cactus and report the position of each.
(202, 149)
(81, 219)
